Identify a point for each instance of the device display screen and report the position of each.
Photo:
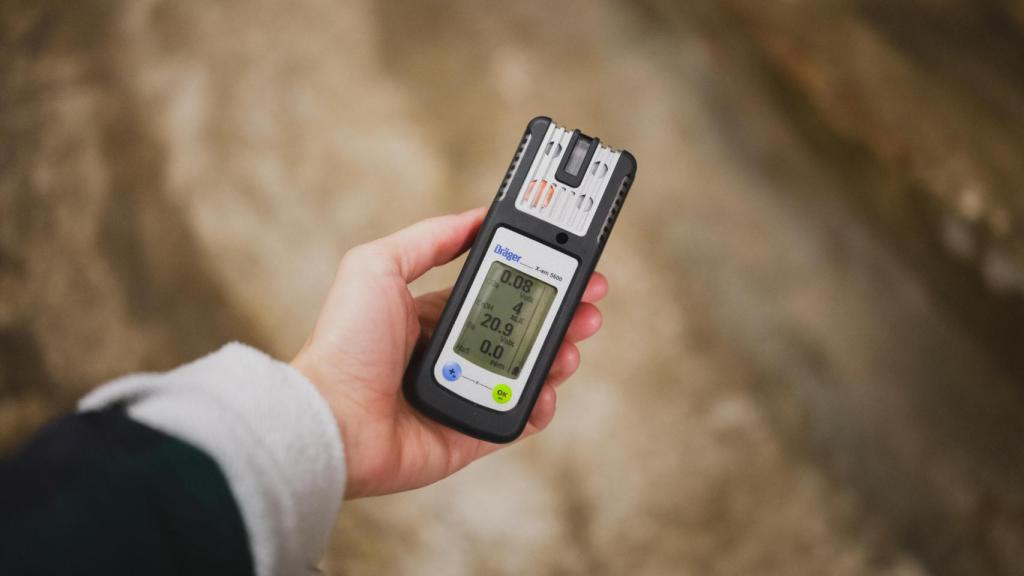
(505, 320)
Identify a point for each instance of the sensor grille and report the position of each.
(569, 208)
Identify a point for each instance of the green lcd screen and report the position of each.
(505, 320)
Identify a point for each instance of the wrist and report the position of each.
(344, 418)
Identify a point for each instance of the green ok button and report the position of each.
(501, 393)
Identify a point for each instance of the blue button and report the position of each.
(452, 371)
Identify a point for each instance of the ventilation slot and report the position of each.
(620, 197)
(513, 166)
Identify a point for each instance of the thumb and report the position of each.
(431, 242)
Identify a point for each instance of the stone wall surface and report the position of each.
(812, 357)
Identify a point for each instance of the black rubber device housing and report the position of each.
(441, 404)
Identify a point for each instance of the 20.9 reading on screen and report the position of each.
(505, 320)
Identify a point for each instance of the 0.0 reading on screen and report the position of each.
(505, 320)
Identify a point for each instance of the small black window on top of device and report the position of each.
(575, 159)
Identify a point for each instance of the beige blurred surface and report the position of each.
(812, 356)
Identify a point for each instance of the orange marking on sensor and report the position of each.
(551, 194)
(529, 190)
(540, 191)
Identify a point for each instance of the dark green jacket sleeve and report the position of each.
(99, 493)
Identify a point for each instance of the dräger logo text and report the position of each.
(506, 253)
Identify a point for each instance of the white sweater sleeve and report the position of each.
(270, 431)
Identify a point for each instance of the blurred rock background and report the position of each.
(813, 354)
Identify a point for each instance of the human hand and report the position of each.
(362, 343)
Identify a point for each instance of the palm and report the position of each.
(411, 450)
(361, 346)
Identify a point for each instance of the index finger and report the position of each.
(596, 288)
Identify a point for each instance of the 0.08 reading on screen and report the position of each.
(505, 320)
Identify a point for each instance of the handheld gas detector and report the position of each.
(509, 310)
